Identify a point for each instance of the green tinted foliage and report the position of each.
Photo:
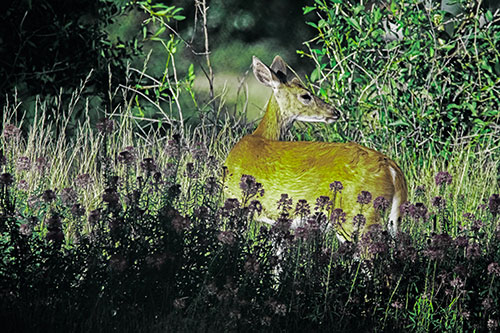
(409, 69)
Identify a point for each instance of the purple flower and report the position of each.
(336, 186)
(199, 151)
(48, 196)
(461, 241)
(457, 283)
(25, 229)
(231, 204)
(443, 178)
(127, 156)
(94, 216)
(212, 186)
(105, 126)
(364, 197)
(111, 197)
(473, 251)
(190, 171)
(494, 269)
(6, 179)
(10, 131)
(359, 221)
(226, 237)
(77, 210)
(180, 223)
(250, 187)
(338, 217)
(301, 233)
(494, 204)
(252, 266)
(23, 185)
(285, 202)
(172, 149)
(397, 305)
(157, 260)
(438, 202)
(68, 196)
(380, 204)
(54, 227)
(23, 163)
(118, 262)
(419, 211)
(83, 180)
(492, 324)
(323, 202)
(302, 208)
(406, 208)
(42, 164)
(148, 165)
(255, 206)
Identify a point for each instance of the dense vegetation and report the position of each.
(123, 226)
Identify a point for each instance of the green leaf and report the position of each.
(308, 9)
(179, 17)
(315, 74)
(399, 122)
(488, 15)
(312, 25)
(354, 23)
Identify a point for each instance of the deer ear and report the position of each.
(295, 80)
(279, 66)
(264, 74)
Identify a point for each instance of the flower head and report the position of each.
(494, 269)
(23, 163)
(68, 196)
(364, 197)
(42, 164)
(6, 179)
(148, 165)
(359, 221)
(199, 151)
(419, 211)
(380, 204)
(48, 196)
(11, 132)
(336, 186)
(105, 126)
(111, 197)
(323, 202)
(443, 178)
(226, 237)
(255, 206)
(83, 180)
(172, 149)
(338, 217)
(285, 202)
(494, 204)
(127, 156)
(438, 202)
(302, 207)
(250, 186)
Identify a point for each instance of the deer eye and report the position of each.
(305, 98)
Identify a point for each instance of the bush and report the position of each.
(409, 69)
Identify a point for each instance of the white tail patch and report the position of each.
(396, 202)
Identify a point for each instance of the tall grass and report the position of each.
(144, 240)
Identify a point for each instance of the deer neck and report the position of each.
(272, 126)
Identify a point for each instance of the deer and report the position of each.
(306, 169)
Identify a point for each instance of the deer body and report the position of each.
(305, 170)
